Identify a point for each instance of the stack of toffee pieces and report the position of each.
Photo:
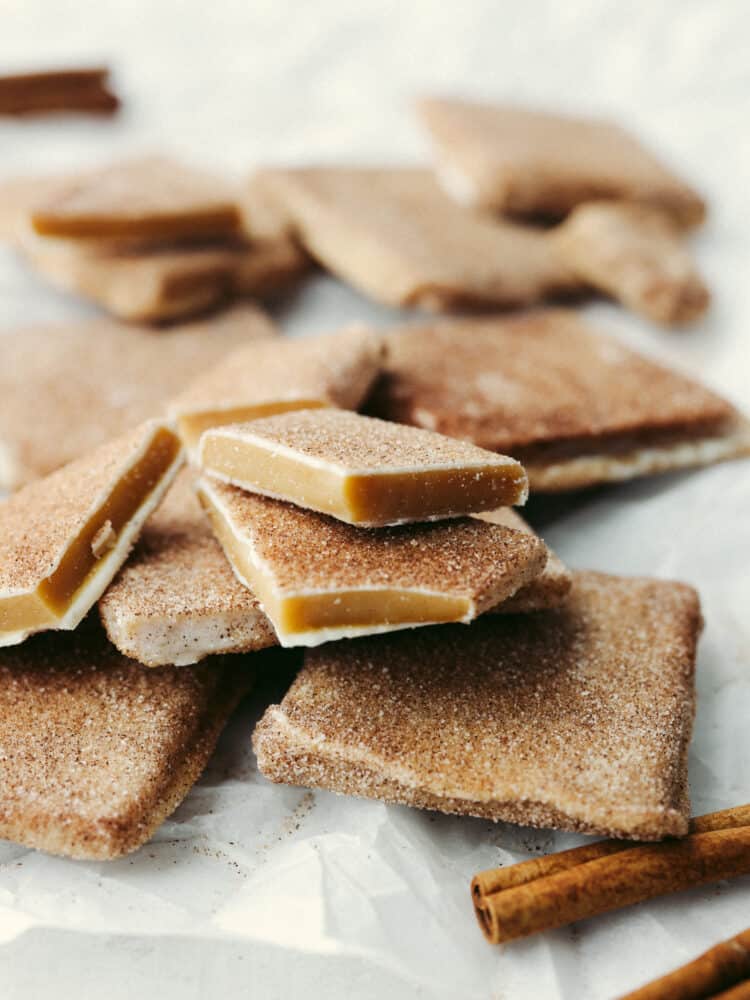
(226, 490)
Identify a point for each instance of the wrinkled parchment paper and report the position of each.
(311, 873)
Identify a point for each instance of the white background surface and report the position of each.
(272, 892)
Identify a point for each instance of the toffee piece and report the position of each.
(393, 234)
(63, 538)
(574, 406)
(150, 199)
(536, 163)
(319, 579)
(264, 379)
(66, 389)
(176, 599)
(576, 719)
(636, 254)
(97, 751)
(361, 470)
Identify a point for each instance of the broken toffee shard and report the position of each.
(63, 538)
(360, 470)
(319, 579)
(577, 719)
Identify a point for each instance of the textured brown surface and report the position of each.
(316, 458)
(336, 369)
(66, 389)
(636, 254)
(578, 718)
(169, 283)
(548, 589)
(395, 235)
(150, 198)
(39, 522)
(303, 551)
(97, 751)
(548, 390)
(84, 89)
(531, 162)
(176, 600)
(354, 443)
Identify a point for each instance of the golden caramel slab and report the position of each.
(56, 406)
(636, 254)
(63, 538)
(361, 470)
(575, 406)
(393, 234)
(153, 198)
(168, 283)
(97, 751)
(530, 162)
(330, 370)
(319, 579)
(176, 599)
(578, 718)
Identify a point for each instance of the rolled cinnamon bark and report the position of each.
(611, 882)
(739, 992)
(725, 965)
(497, 879)
(85, 89)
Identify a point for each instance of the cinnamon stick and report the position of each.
(739, 992)
(497, 879)
(725, 965)
(57, 90)
(614, 881)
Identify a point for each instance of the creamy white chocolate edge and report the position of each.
(107, 566)
(295, 739)
(185, 640)
(318, 636)
(588, 469)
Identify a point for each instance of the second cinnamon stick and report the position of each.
(614, 881)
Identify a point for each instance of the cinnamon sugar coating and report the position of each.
(392, 233)
(550, 391)
(300, 552)
(352, 442)
(636, 254)
(149, 198)
(528, 162)
(57, 407)
(97, 751)
(548, 589)
(577, 718)
(334, 369)
(176, 599)
(39, 522)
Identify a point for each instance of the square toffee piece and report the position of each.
(576, 719)
(66, 389)
(393, 234)
(537, 163)
(97, 751)
(574, 406)
(334, 370)
(363, 471)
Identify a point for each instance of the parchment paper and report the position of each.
(312, 874)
